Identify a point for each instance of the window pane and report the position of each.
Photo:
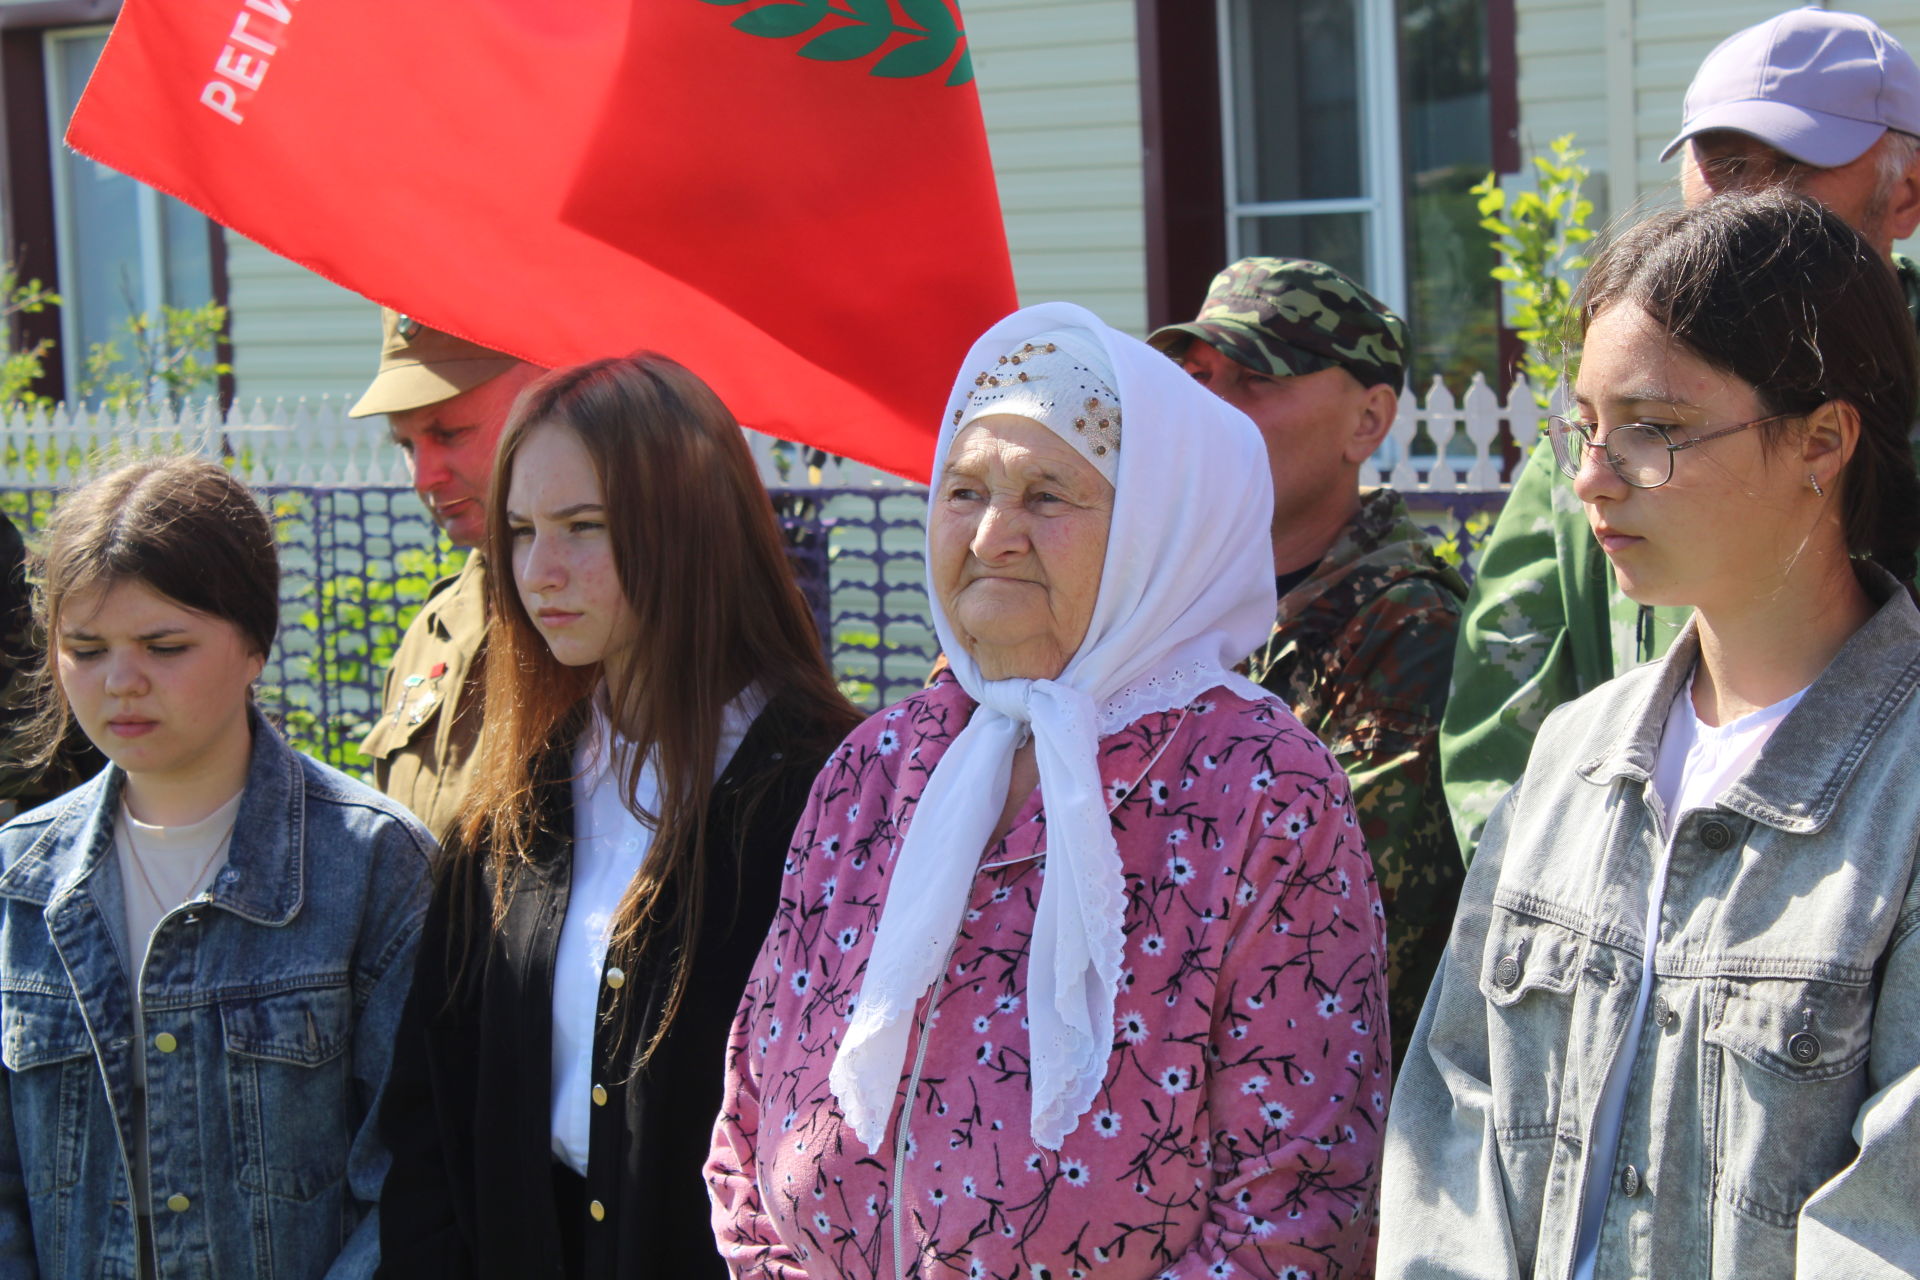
(101, 224)
(1296, 78)
(1337, 239)
(1448, 132)
(189, 270)
(109, 277)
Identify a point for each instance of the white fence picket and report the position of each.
(1436, 445)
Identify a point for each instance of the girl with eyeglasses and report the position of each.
(1677, 1029)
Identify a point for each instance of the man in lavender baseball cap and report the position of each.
(1824, 103)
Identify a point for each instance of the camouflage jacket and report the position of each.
(1544, 625)
(1362, 651)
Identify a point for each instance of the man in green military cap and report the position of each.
(1362, 645)
(1816, 101)
(446, 400)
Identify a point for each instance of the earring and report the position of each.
(1814, 480)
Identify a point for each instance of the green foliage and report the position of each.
(23, 366)
(172, 358)
(359, 623)
(861, 693)
(1459, 547)
(1538, 235)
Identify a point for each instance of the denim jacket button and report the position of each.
(1715, 835)
(1630, 1181)
(1663, 1014)
(1507, 972)
(165, 1042)
(1804, 1048)
(178, 1203)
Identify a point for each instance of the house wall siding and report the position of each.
(295, 333)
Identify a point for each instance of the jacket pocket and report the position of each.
(1527, 976)
(291, 1089)
(1791, 1079)
(54, 1084)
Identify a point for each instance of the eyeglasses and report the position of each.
(1640, 453)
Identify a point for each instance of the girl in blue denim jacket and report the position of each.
(204, 950)
(1677, 1028)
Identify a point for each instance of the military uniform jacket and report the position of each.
(468, 1108)
(1545, 624)
(1362, 651)
(423, 744)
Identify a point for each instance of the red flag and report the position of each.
(793, 197)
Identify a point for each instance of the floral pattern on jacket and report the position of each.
(1238, 1130)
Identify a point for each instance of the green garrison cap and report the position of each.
(420, 366)
(1289, 316)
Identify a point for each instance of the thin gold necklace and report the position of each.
(139, 862)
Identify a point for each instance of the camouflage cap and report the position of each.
(420, 366)
(1288, 316)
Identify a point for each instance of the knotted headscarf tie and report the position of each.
(1186, 592)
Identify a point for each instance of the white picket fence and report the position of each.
(312, 442)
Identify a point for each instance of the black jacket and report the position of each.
(467, 1108)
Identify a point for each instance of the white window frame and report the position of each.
(1377, 68)
(150, 220)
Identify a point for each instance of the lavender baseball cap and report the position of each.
(1813, 84)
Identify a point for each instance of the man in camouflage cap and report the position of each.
(446, 400)
(1362, 646)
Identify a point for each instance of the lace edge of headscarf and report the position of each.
(1171, 689)
(1059, 1101)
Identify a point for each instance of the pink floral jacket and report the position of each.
(1238, 1132)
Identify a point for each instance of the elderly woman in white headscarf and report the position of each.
(1078, 962)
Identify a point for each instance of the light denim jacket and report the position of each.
(1772, 1118)
(270, 1006)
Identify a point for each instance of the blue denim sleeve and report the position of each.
(1443, 1211)
(1861, 1225)
(390, 941)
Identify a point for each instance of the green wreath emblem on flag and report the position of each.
(932, 30)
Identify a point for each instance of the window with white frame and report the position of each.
(1353, 132)
(123, 248)
(1311, 132)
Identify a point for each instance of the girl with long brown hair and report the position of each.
(657, 703)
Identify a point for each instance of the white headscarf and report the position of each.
(1186, 592)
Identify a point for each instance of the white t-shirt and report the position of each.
(609, 847)
(1697, 763)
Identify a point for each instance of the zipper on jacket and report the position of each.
(906, 1109)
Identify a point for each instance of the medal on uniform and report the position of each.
(418, 695)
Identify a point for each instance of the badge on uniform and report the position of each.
(419, 695)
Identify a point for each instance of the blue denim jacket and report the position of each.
(270, 1006)
(1772, 1120)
